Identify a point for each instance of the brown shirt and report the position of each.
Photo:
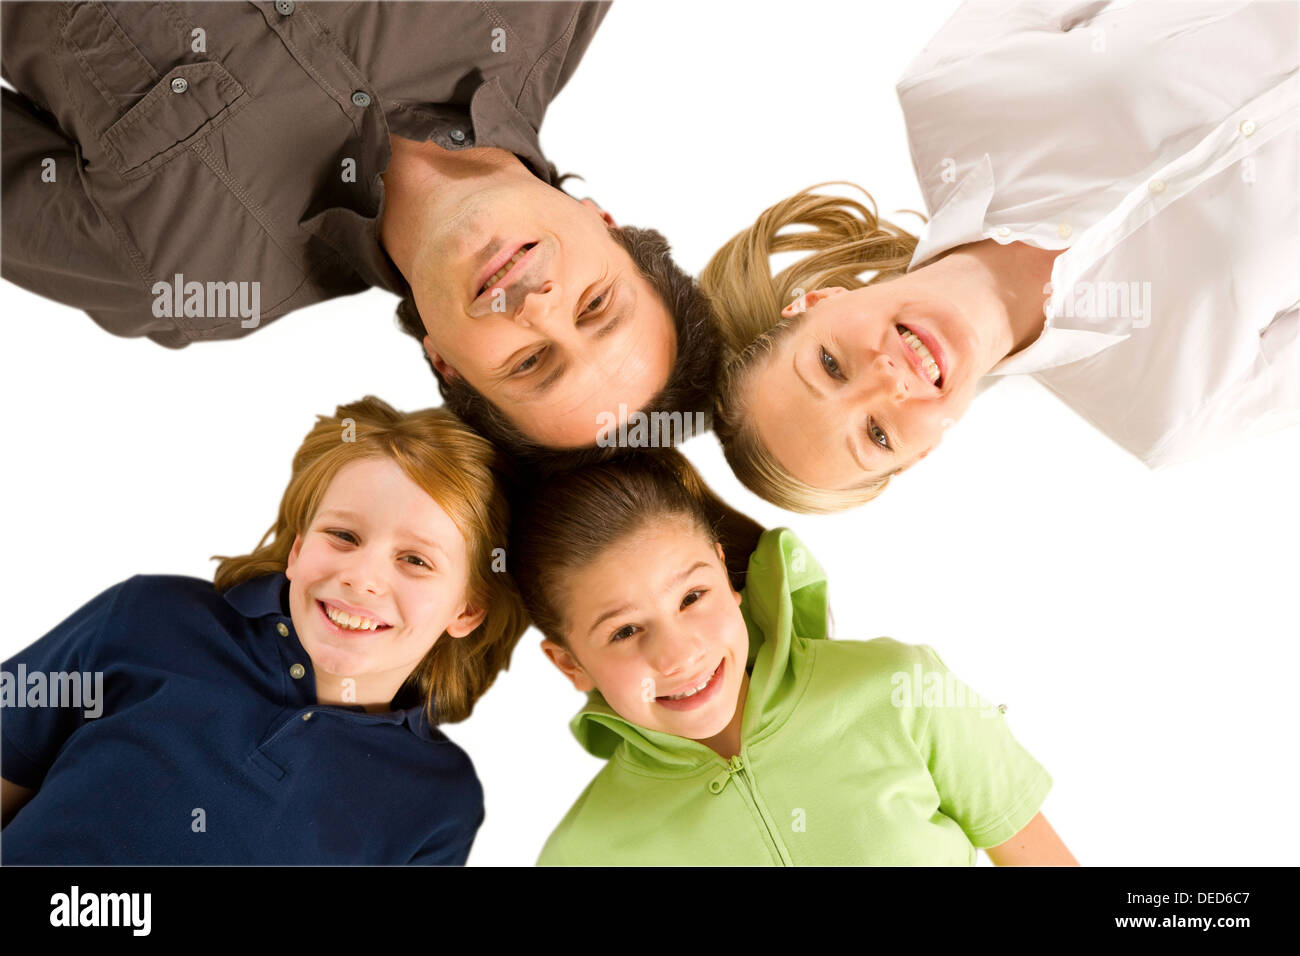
(239, 146)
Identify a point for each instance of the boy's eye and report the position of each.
(831, 366)
(623, 633)
(693, 597)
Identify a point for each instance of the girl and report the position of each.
(1135, 252)
(287, 712)
(736, 733)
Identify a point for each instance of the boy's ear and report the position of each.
(445, 370)
(469, 618)
(609, 220)
(568, 665)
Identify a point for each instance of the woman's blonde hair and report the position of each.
(844, 240)
(458, 469)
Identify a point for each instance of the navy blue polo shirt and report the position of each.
(211, 748)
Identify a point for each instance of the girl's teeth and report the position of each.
(927, 360)
(690, 693)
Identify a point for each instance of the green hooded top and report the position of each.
(852, 753)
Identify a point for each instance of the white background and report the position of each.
(1139, 625)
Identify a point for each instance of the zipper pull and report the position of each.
(719, 783)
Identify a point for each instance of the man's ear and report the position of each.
(809, 299)
(445, 370)
(568, 665)
(609, 220)
(469, 618)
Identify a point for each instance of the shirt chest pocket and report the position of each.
(141, 117)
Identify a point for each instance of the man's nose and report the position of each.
(538, 306)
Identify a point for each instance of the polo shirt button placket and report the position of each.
(297, 671)
(282, 629)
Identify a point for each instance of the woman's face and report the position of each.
(847, 397)
(378, 575)
(653, 619)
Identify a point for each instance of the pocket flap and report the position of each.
(165, 118)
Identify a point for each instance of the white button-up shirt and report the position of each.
(1157, 144)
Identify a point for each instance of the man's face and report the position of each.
(539, 308)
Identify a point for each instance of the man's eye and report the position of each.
(831, 366)
(878, 436)
(528, 364)
(594, 304)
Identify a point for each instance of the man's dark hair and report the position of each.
(691, 382)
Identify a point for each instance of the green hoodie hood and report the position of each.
(784, 595)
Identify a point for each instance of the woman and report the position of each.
(287, 712)
(1106, 214)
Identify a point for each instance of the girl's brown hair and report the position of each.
(568, 521)
(844, 240)
(461, 472)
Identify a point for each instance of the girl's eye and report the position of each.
(878, 436)
(421, 562)
(693, 597)
(623, 633)
(831, 366)
(344, 535)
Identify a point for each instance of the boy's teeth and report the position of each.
(501, 273)
(350, 621)
(927, 360)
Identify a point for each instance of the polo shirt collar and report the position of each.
(268, 595)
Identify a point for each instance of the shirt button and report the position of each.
(180, 85)
(284, 7)
(1064, 230)
(307, 716)
(1003, 232)
(361, 98)
(1156, 186)
(457, 135)
(296, 671)
(1247, 128)
(282, 629)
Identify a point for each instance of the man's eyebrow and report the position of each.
(353, 516)
(812, 388)
(668, 587)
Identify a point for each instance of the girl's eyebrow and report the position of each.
(668, 587)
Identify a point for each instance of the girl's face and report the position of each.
(652, 620)
(846, 397)
(378, 575)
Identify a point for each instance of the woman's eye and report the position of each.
(831, 366)
(693, 596)
(623, 633)
(878, 436)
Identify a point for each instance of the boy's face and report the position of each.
(382, 552)
(654, 618)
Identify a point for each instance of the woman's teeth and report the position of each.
(927, 360)
(350, 621)
(501, 273)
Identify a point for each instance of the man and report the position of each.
(195, 171)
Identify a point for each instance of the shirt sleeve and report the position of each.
(55, 242)
(451, 844)
(34, 729)
(987, 782)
